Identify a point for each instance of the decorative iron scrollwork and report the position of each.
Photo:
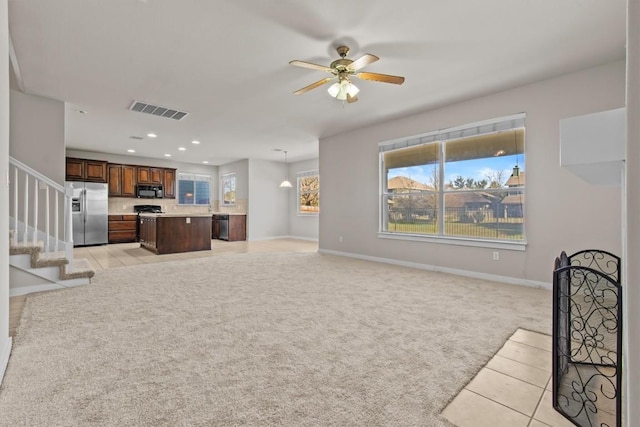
(587, 338)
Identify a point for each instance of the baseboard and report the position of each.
(5, 358)
(458, 272)
(310, 239)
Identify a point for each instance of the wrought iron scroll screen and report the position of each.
(587, 338)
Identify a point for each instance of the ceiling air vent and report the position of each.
(170, 113)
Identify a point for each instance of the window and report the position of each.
(228, 185)
(466, 183)
(308, 193)
(193, 189)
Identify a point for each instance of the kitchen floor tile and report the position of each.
(546, 414)
(529, 374)
(469, 409)
(511, 392)
(534, 339)
(526, 354)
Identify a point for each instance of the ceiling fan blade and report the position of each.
(311, 65)
(386, 78)
(313, 86)
(351, 99)
(363, 61)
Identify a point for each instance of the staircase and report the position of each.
(39, 258)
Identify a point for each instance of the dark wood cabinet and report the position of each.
(169, 183)
(122, 180)
(114, 173)
(85, 170)
(122, 228)
(237, 227)
(128, 181)
(230, 227)
(150, 175)
(173, 234)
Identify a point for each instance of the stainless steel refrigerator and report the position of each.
(89, 211)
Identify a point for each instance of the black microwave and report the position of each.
(149, 191)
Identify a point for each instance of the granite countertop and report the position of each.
(183, 215)
(227, 213)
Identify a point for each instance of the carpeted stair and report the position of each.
(39, 259)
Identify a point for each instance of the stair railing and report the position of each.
(51, 225)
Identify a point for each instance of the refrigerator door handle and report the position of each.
(84, 205)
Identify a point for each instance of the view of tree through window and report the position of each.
(308, 193)
(451, 185)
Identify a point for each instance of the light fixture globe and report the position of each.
(286, 183)
(341, 89)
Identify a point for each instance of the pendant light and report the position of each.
(286, 183)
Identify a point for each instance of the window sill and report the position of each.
(480, 243)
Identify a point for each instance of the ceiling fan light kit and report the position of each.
(342, 69)
(343, 89)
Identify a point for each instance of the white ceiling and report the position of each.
(225, 62)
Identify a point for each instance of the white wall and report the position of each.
(267, 216)
(37, 134)
(302, 226)
(631, 223)
(5, 341)
(562, 211)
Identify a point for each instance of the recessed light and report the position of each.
(181, 148)
(131, 151)
(167, 155)
(195, 142)
(205, 162)
(152, 135)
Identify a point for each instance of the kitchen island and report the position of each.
(164, 233)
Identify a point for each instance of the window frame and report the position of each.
(231, 178)
(299, 176)
(193, 177)
(441, 138)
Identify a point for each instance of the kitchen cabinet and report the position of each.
(230, 227)
(122, 180)
(85, 170)
(149, 175)
(169, 183)
(122, 228)
(168, 233)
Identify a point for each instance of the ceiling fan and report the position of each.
(343, 69)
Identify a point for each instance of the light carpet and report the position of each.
(292, 339)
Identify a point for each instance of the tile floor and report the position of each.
(512, 390)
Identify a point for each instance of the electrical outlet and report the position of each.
(496, 256)
(188, 220)
(340, 239)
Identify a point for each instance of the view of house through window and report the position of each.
(308, 193)
(193, 189)
(465, 182)
(228, 186)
